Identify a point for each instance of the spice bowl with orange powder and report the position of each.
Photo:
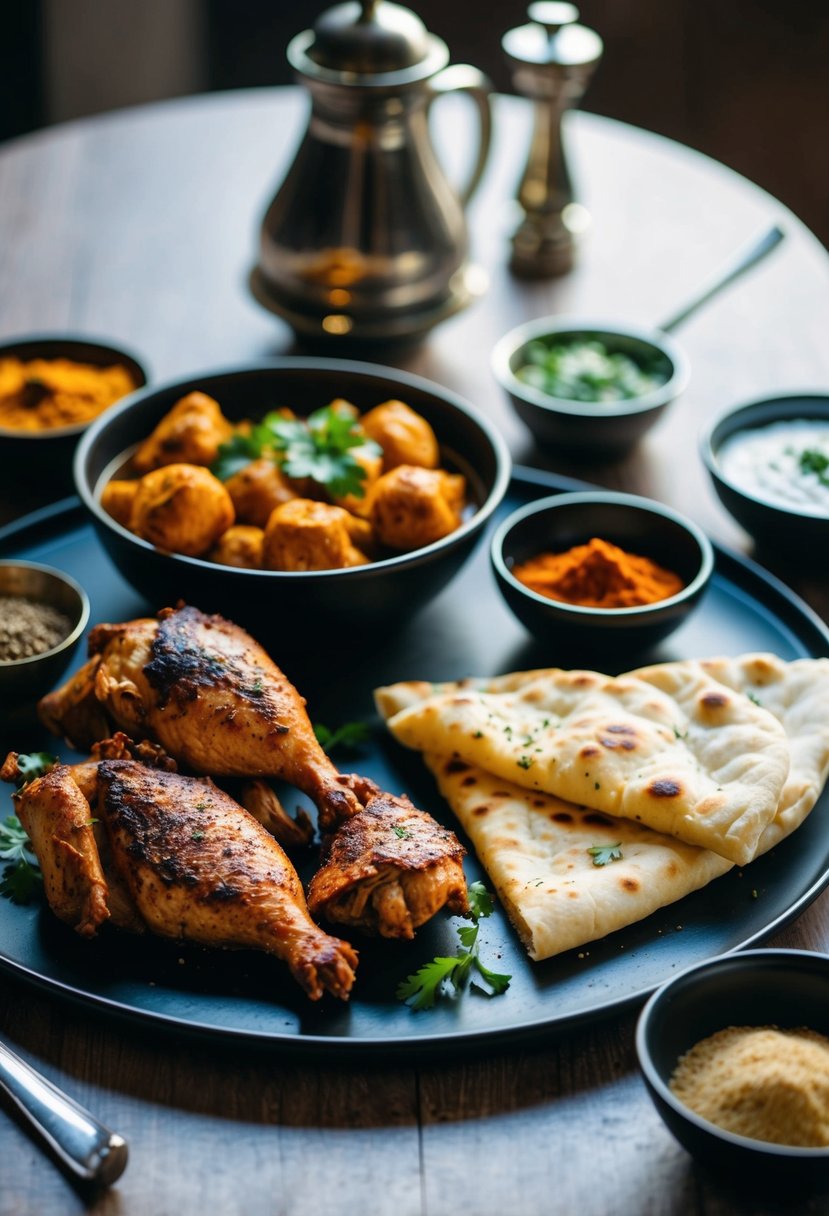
(598, 572)
(51, 388)
(735, 1056)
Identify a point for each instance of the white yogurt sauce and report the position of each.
(786, 463)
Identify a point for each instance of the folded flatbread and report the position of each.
(681, 753)
(797, 694)
(535, 847)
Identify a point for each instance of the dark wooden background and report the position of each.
(743, 81)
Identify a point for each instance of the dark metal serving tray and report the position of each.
(466, 631)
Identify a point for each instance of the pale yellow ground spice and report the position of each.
(761, 1082)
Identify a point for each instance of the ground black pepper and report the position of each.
(28, 627)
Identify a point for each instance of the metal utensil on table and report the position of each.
(744, 259)
(90, 1150)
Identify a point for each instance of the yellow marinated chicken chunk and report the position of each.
(191, 433)
(182, 508)
(307, 535)
(117, 499)
(412, 507)
(239, 546)
(257, 489)
(404, 436)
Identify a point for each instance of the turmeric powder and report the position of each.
(42, 394)
(598, 575)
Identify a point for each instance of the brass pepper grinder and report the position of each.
(552, 60)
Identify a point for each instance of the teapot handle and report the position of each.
(461, 77)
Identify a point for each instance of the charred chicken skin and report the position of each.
(214, 699)
(177, 856)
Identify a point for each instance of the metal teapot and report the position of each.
(366, 240)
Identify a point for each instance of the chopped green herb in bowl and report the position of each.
(586, 370)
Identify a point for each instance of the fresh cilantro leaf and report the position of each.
(21, 877)
(14, 843)
(421, 990)
(20, 882)
(603, 854)
(350, 736)
(481, 902)
(813, 461)
(752, 696)
(320, 448)
(498, 983)
(32, 765)
(235, 455)
(401, 832)
(468, 935)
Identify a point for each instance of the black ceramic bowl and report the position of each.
(635, 524)
(386, 591)
(769, 523)
(783, 988)
(23, 681)
(600, 431)
(50, 452)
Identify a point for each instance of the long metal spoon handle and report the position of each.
(745, 259)
(89, 1149)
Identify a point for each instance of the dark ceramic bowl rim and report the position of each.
(559, 326)
(611, 497)
(503, 464)
(71, 638)
(735, 419)
(9, 345)
(746, 958)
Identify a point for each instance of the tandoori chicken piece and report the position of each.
(176, 856)
(58, 822)
(215, 701)
(405, 436)
(388, 869)
(201, 869)
(260, 800)
(210, 695)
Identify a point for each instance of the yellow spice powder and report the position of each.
(761, 1082)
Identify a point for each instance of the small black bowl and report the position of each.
(587, 430)
(783, 988)
(772, 524)
(635, 524)
(50, 451)
(298, 604)
(23, 681)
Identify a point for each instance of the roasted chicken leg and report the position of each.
(209, 694)
(214, 699)
(195, 866)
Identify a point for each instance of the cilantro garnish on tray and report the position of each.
(349, 737)
(21, 879)
(434, 979)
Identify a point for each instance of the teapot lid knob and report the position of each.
(368, 37)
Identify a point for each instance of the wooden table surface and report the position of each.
(141, 226)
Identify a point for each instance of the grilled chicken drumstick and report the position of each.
(215, 700)
(181, 859)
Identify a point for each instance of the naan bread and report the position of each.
(534, 848)
(683, 754)
(797, 694)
